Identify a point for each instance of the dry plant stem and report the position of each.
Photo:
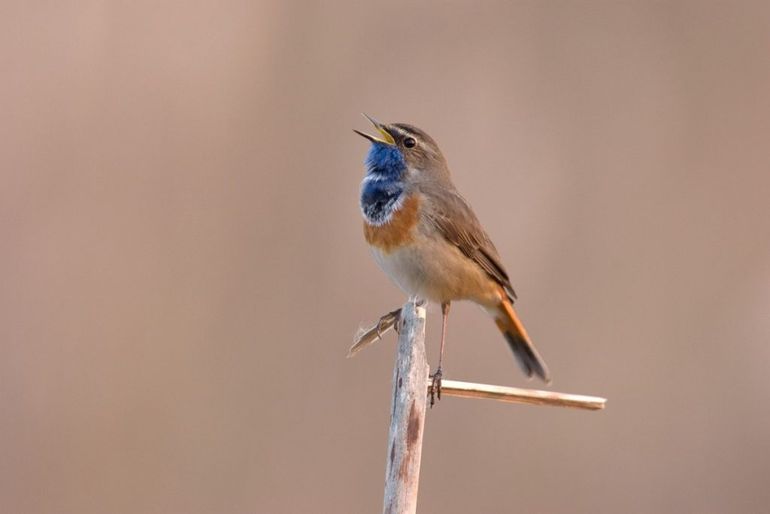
(365, 337)
(516, 395)
(410, 383)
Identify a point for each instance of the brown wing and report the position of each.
(454, 218)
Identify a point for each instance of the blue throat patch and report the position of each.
(383, 186)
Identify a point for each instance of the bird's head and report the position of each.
(402, 150)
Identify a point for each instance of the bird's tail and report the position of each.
(513, 330)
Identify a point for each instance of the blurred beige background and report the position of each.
(183, 266)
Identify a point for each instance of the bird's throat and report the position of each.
(381, 197)
(382, 190)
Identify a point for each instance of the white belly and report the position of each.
(437, 271)
(405, 267)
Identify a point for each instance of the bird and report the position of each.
(425, 236)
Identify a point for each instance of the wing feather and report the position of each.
(451, 214)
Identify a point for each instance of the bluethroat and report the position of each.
(427, 239)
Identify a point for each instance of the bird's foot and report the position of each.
(435, 386)
(418, 301)
(396, 314)
(383, 324)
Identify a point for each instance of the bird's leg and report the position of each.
(435, 387)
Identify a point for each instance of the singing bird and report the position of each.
(427, 239)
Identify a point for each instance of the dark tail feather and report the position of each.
(526, 354)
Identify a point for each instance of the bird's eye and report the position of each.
(409, 142)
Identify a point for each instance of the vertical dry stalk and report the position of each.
(410, 383)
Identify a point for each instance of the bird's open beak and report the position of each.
(386, 137)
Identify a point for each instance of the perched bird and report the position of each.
(427, 239)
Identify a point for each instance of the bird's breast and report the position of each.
(399, 230)
(422, 262)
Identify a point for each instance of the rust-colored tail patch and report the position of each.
(514, 332)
